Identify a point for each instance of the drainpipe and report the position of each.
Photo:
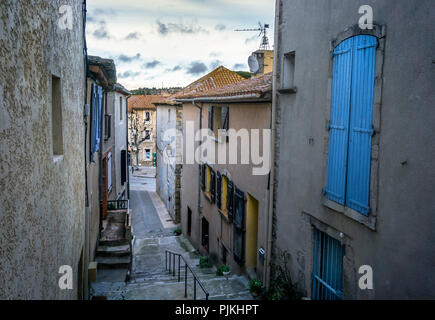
(272, 162)
(126, 147)
(199, 176)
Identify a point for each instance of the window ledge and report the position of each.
(57, 158)
(208, 196)
(288, 90)
(368, 221)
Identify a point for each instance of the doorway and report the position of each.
(205, 234)
(251, 232)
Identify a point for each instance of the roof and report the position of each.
(121, 89)
(139, 102)
(107, 65)
(250, 88)
(219, 77)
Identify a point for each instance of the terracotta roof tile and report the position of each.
(143, 101)
(219, 77)
(254, 86)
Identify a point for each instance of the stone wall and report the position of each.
(42, 203)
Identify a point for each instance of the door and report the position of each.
(104, 200)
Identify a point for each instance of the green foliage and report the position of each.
(281, 287)
(255, 285)
(223, 268)
(244, 74)
(177, 231)
(154, 91)
(203, 262)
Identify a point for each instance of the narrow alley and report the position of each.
(153, 235)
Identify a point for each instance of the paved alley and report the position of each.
(153, 234)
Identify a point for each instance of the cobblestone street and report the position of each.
(153, 232)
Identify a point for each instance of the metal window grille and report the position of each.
(327, 267)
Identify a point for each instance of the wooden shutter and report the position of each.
(339, 123)
(212, 186)
(230, 200)
(361, 123)
(123, 166)
(225, 118)
(203, 173)
(219, 190)
(210, 118)
(239, 226)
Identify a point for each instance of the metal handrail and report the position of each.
(172, 254)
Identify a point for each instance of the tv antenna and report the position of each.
(264, 45)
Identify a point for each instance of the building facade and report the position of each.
(142, 129)
(353, 179)
(224, 204)
(170, 144)
(42, 136)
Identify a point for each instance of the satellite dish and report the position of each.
(253, 63)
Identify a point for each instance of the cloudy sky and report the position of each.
(174, 42)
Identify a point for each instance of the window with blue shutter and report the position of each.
(327, 267)
(348, 177)
(96, 104)
(230, 200)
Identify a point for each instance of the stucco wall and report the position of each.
(242, 115)
(42, 204)
(165, 171)
(400, 249)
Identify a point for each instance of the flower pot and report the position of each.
(226, 273)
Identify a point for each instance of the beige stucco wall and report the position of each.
(42, 204)
(139, 116)
(242, 115)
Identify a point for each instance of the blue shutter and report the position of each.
(93, 121)
(339, 123)
(98, 118)
(361, 123)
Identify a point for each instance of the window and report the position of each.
(147, 134)
(109, 172)
(205, 234)
(230, 200)
(222, 194)
(189, 221)
(123, 166)
(97, 98)
(120, 108)
(208, 182)
(107, 126)
(288, 70)
(239, 227)
(218, 119)
(147, 117)
(56, 116)
(327, 267)
(351, 129)
(147, 154)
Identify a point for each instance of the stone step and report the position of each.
(113, 262)
(113, 242)
(114, 251)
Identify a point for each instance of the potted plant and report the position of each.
(255, 286)
(223, 270)
(177, 231)
(203, 262)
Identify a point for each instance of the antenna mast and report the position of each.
(264, 45)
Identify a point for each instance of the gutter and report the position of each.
(272, 171)
(253, 97)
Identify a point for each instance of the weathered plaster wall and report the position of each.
(401, 248)
(120, 127)
(42, 205)
(165, 171)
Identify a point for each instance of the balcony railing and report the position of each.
(117, 204)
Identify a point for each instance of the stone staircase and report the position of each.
(150, 281)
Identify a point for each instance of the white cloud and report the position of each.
(132, 29)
